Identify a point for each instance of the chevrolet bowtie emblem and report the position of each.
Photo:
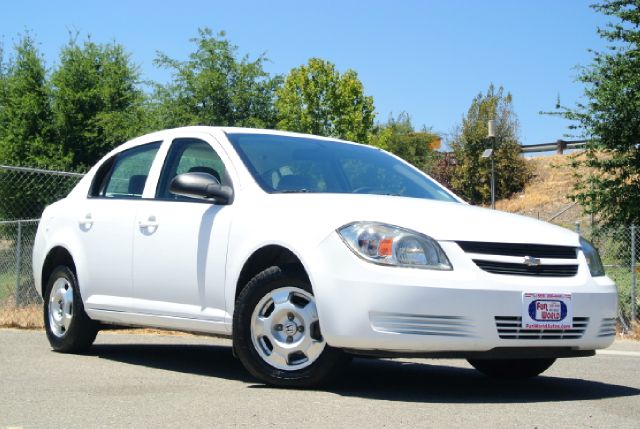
(531, 261)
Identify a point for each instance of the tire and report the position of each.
(68, 327)
(511, 369)
(276, 331)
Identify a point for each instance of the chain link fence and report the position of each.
(24, 193)
(620, 251)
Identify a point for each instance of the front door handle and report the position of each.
(150, 223)
(86, 222)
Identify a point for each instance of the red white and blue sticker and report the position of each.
(547, 311)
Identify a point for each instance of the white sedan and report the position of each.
(307, 250)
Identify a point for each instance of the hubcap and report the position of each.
(285, 329)
(60, 307)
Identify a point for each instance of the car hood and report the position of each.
(443, 221)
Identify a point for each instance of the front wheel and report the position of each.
(276, 331)
(68, 327)
(511, 369)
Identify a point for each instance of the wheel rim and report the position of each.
(60, 307)
(285, 329)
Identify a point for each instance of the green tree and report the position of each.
(215, 87)
(317, 99)
(26, 132)
(610, 119)
(3, 79)
(97, 100)
(383, 133)
(471, 177)
(399, 137)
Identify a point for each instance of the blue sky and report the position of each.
(427, 58)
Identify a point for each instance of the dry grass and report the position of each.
(547, 192)
(5, 244)
(28, 317)
(633, 334)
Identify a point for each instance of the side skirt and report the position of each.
(122, 318)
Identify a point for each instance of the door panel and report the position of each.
(179, 258)
(180, 244)
(105, 233)
(106, 222)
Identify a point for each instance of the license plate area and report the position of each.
(548, 311)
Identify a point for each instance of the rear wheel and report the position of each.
(68, 327)
(276, 331)
(511, 369)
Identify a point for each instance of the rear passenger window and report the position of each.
(126, 174)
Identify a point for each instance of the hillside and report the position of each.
(546, 194)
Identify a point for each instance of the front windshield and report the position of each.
(283, 164)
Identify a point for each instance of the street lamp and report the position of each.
(488, 153)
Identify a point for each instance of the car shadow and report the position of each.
(389, 380)
(198, 359)
(396, 380)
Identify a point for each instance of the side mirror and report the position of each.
(203, 186)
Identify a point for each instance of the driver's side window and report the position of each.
(189, 155)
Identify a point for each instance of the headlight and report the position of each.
(390, 245)
(593, 258)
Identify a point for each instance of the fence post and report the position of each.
(633, 274)
(18, 261)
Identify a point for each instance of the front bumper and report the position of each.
(382, 310)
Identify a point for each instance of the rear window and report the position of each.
(125, 174)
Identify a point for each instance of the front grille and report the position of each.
(510, 328)
(518, 249)
(418, 324)
(608, 327)
(526, 270)
(494, 262)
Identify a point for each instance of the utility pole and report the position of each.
(491, 135)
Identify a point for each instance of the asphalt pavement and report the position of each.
(129, 380)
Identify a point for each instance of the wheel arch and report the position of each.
(263, 258)
(57, 255)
